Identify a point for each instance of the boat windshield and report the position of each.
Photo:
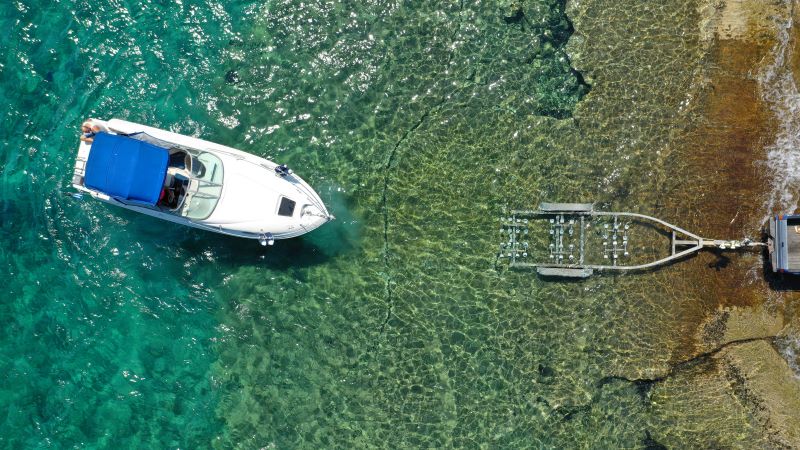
(204, 187)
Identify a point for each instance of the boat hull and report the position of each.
(250, 197)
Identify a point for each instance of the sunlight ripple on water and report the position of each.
(417, 123)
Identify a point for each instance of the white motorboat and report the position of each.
(195, 182)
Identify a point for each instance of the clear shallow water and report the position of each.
(417, 123)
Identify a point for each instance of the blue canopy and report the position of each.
(126, 168)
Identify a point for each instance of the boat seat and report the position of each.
(177, 158)
(173, 173)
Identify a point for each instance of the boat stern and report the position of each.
(82, 157)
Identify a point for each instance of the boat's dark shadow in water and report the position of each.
(332, 240)
(343, 234)
(231, 251)
(322, 245)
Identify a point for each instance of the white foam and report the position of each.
(789, 347)
(779, 90)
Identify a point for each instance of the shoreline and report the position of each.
(727, 160)
(714, 177)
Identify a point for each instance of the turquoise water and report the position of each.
(417, 123)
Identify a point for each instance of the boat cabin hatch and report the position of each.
(286, 208)
(784, 243)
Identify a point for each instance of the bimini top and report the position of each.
(125, 168)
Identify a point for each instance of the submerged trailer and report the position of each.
(572, 240)
(783, 242)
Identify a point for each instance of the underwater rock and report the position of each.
(737, 19)
(231, 77)
(763, 381)
(651, 444)
(731, 324)
(546, 372)
(514, 13)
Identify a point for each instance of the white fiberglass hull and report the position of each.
(251, 194)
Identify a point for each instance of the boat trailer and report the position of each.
(583, 241)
